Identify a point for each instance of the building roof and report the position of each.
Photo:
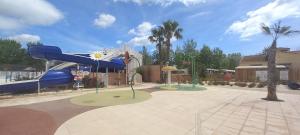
(259, 67)
(216, 70)
(254, 58)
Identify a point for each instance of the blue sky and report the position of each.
(85, 26)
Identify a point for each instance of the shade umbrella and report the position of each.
(168, 69)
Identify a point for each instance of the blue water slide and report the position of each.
(54, 53)
(58, 76)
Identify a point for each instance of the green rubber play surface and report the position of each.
(182, 87)
(110, 98)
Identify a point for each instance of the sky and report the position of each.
(83, 26)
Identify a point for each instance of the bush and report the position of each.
(251, 85)
(215, 83)
(283, 82)
(261, 85)
(140, 70)
(241, 84)
(222, 83)
(210, 83)
(227, 83)
(201, 83)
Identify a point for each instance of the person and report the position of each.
(77, 80)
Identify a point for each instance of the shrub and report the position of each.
(210, 83)
(201, 83)
(241, 84)
(222, 83)
(261, 85)
(227, 83)
(140, 70)
(283, 82)
(215, 83)
(251, 85)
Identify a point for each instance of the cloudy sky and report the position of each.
(88, 25)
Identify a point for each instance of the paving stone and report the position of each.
(221, 111)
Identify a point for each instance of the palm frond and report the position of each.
(151, 39)
(290, 32)
(284, 29)
(265, 29)
(178, 34)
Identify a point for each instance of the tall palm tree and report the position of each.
(276, 31)
(170, 29)
(157, 37)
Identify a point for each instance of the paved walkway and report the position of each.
(217, 111)
(43, 114)
(39, 118)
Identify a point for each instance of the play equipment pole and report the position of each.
(39, 87)
(132, 78)
(193, 66)
(97, 79)
(46, 66)
(106, 77)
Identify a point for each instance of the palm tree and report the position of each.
(276, 31)
(157, 37)
(170, 29)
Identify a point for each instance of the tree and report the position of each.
(205, 56)
(204, 59)
(233, 60)
(275, 31)
(11, 52)
(189, 47)
(190, 52)
(157, 37)
(155, 57)
(179, 55)
(217, 58)
(170, 30)
(146, 56)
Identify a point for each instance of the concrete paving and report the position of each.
(52, 96)
(216, 111)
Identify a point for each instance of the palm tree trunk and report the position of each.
(160, 63)
(272, 80)
(168, 49)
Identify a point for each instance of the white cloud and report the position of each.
(104, 20)
(119, 42)
(141, 33)
(142, 30)
(139, 41)
(268, 14)
(164, 2)
(25, 38)
(16, 14)
(199, 14)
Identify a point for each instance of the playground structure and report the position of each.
(63, 73)
(168, 69)
(194, 86)
(191, 60)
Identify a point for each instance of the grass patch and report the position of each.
(110, 98)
